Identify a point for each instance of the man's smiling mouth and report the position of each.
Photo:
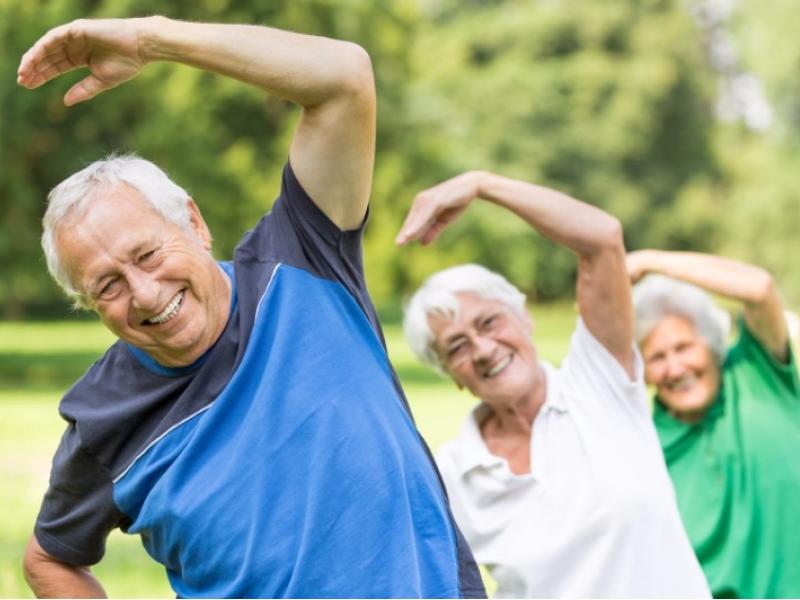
(169, 312)
(499, 367)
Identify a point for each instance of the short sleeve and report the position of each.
(596, 377)
(78, 510)
(774, 373)
(297, 233)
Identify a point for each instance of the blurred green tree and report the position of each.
(610, 102)
(762, 213)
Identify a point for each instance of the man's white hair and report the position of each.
(658, 296)
(437, 296)
(70, 198)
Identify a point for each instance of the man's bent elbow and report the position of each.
(34, 566)
(48, 577)
(356, 75)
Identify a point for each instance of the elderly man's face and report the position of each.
(153, 284)
(680, 364)
(488, 350)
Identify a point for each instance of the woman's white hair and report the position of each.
(437, 295)
(71, 197)
(658, 296)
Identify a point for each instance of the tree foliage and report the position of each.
(607, 101)
(761, 215)
(611, 102)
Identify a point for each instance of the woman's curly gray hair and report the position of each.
(658, 296)
(437, 295)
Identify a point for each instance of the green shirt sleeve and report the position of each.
(750, 355)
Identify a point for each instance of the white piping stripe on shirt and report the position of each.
(266, 290)
(206, 407)
(158, 439)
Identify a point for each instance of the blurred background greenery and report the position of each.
(681, 117)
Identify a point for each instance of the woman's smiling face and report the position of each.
(487, 349)
(681, 366)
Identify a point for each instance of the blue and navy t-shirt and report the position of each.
(284, 462)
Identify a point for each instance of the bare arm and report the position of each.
(332, 152)
(50, 578)
(749, 284)
(603, 289)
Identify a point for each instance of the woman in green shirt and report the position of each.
(728, 417)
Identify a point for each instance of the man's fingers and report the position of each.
(85, 89)
(49, 57)
(45, 72)
(60, 59)
(34, 72)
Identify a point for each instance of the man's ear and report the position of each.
(198, 224)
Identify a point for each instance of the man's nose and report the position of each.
(482, 348)
(144, 291)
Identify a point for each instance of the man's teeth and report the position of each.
(169, 312)
(498, 367)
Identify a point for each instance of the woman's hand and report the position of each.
(638, 264)
(435, 208)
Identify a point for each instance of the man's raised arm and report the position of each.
(332, 152)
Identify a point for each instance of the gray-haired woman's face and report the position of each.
(488, 350)
(679, 363)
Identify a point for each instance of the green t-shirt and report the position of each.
(737, 475)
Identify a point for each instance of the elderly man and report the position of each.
(556, 478)
(247, 423)
(728, 416)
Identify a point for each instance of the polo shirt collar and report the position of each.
(474, 452)
(554, 399)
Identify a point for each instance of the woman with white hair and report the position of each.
(557, 478)
(728, 417)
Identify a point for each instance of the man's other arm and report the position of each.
(50, 578)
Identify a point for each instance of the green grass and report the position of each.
(39, 361)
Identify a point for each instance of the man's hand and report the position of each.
(435, 208)
(109, 48)
(333, 149)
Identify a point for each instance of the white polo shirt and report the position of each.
(597, 515)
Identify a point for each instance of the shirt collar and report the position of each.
(554, 399)
(474, 452)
